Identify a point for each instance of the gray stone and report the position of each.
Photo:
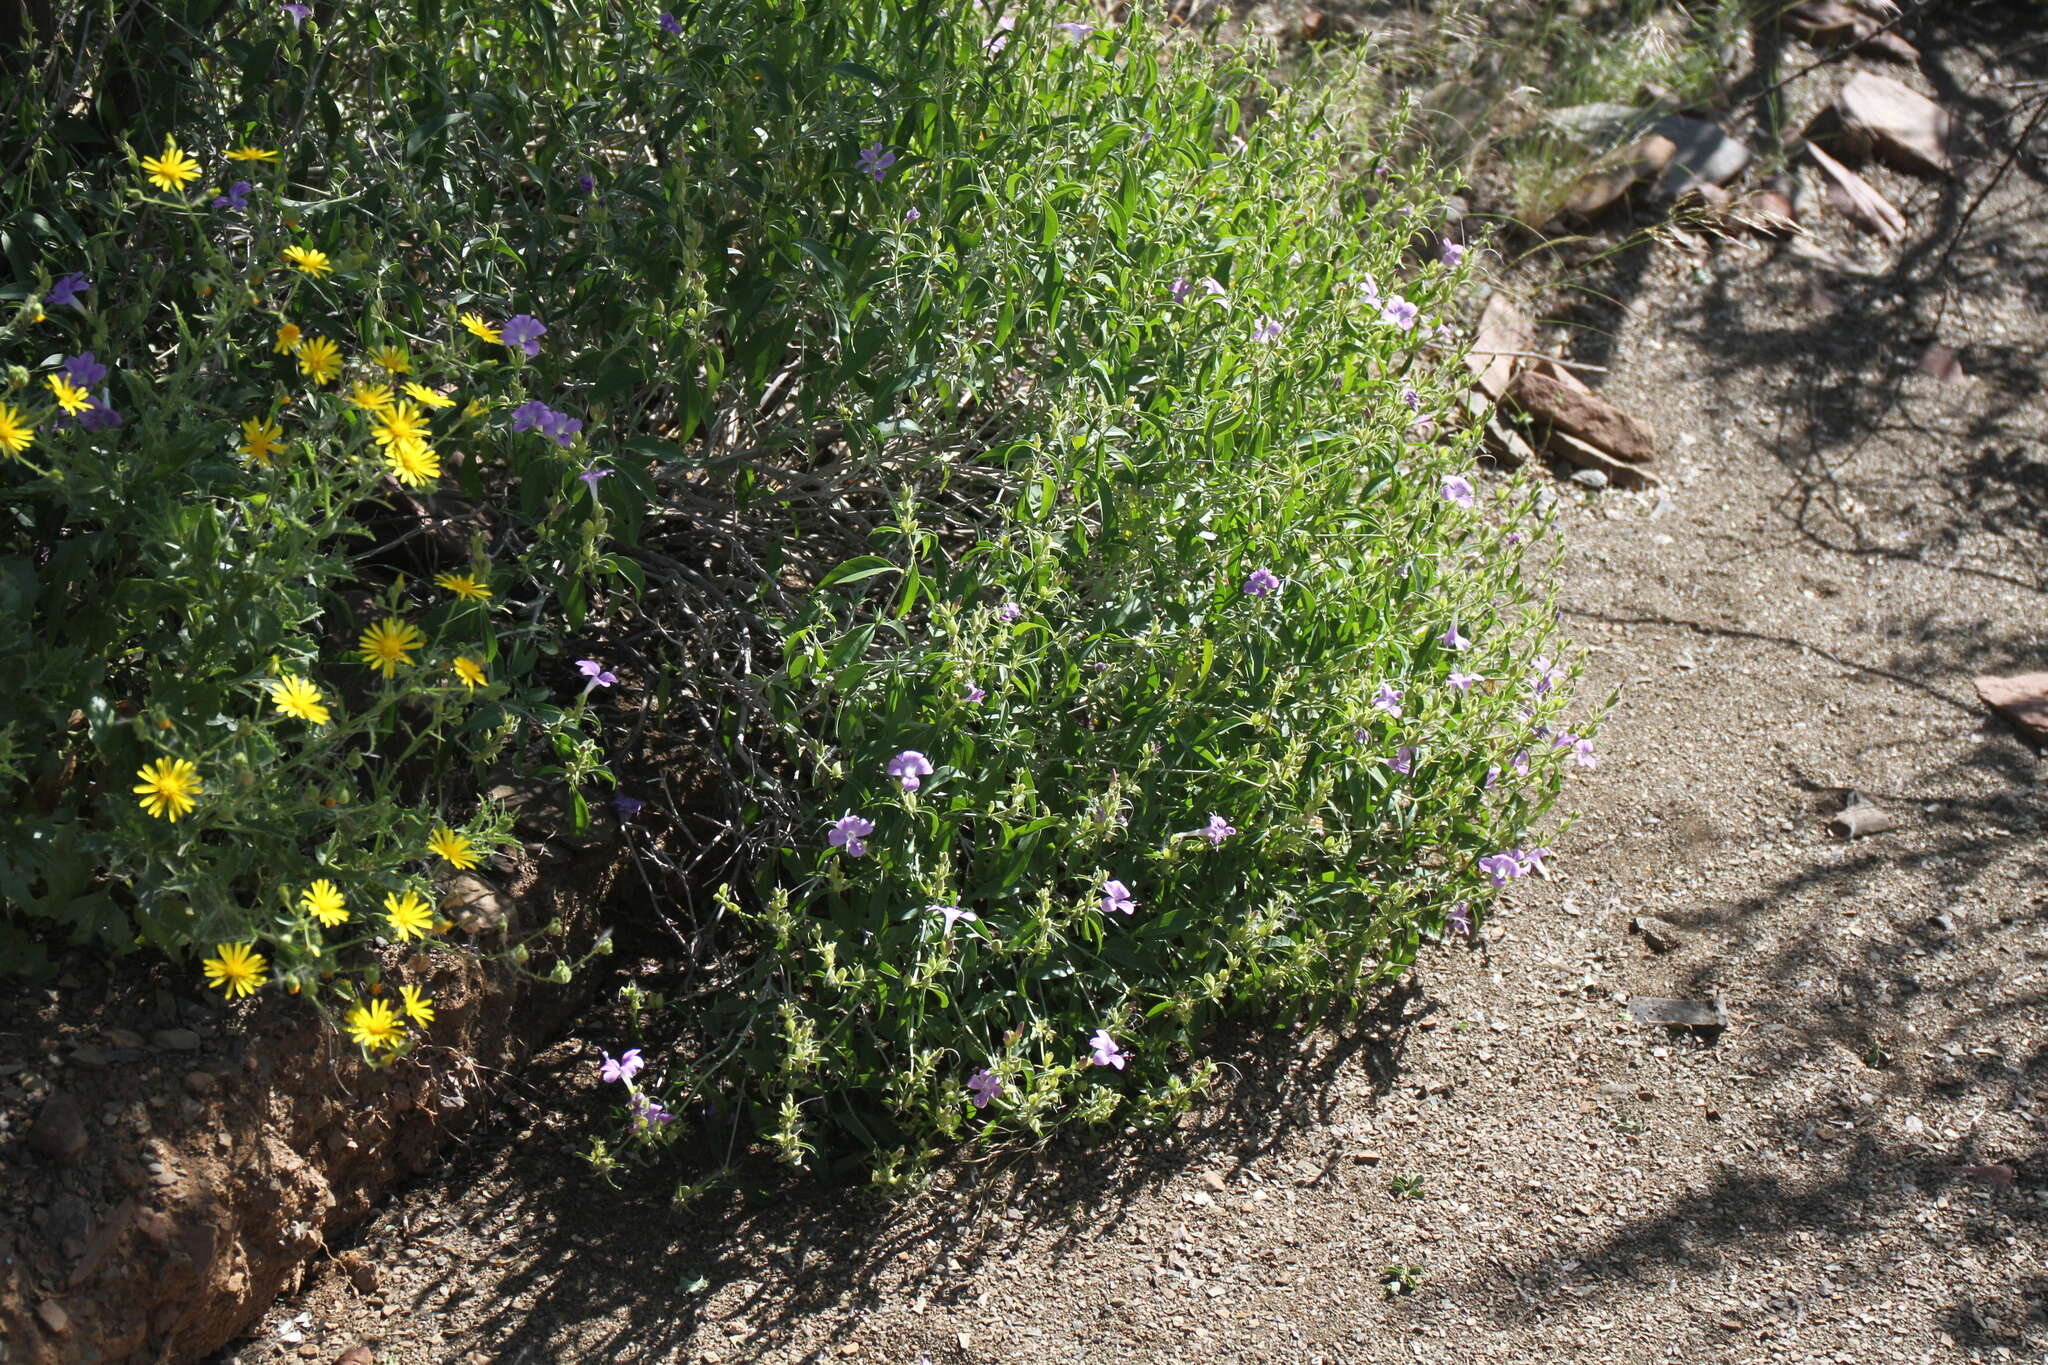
(1650, 1009)
(1897, 122)
(1702, 155)
(1590, 478)
(175, 1039)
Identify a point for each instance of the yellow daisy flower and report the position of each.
(391, 360)
(466, 586)
(16, 433)
(172, 171)
(308, 259)
(319, 360)
(288, 338)
(385, 645)
(431, 397)
(403, 424)
(455, 848)
(481, 330)
(375, 1026)
(477, 408)
(470, 671)
(168, 786)
(235, 969)
(249, 151)
(70, 397)
(294, 696)
(418, 1007)
(322, 900)
(260, 440)
(408, 914)
(372, 397)
(413, 465)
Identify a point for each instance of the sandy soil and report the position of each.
(1855, 1170)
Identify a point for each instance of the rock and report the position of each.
(1649, 1009)
(1859, 820)
(1661, 934)
(1770, 211)
(124, 1037)
(1611, 178)
(361, 1270)
(1503, 331)
(1584, 414)
(1506, 446)
(1850, 194)
(1213, 1180)
(1599, 126)
(358, 1354)
(59, 1130)
(1942, 363)
(53, 1316)
(473, 903)
(1998, 1176)
(1702, 154)
(1824, 22)
(1590, 478)
(89, 1057)
(2021, 699)
(1579, 455)
(175, 1040)
(1877, 113)
(200, 1084)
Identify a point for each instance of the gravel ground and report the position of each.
(1853, 1171)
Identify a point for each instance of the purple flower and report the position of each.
(1403, 761)
(1458, 489)
(1564, 739)
(911, 215)
(1423, 427)
(524, 331)
(1411, 398)
(534, 415)
(1388, 699)
(67, 289)
(529, 415)
(1217, 830)
(1492, 776)
(1267, 330)
(670, 25)
(1547, 674)
(1453, 640)
(908, 767)
(586, 183)
(1009, 613)
(876, 160)
(1460, 919)
(1116, 899)
(850, 832)
(1216, 291)
(1078, 32)
(1106, 1052)
(974, 695)
(236, 200)
(591, 475)
(1000, 39)
(100, 416)
(1462, 682)
(983, 1086)
(625, 1068)
(1180, 289)
(1446, 332)
(1501, 868)
(1531, 859)
(85, 370)
(1451, 253)
(299, 13)
(1583, 755)
(1261, 583)
(599, 675)
(628, 806)
(1399, 312)
(1370, 291)
(954, 914)
(1520, 763)
(648, 1113)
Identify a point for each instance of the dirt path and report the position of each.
(1843, 543)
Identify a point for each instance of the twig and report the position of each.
(1963, 224)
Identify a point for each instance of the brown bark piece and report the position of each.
(1850, 195)
(1503, 331)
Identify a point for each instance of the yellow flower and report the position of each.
(322, 900)
(288, 338)
(16, 435)
(319, 360)
(453, 847)
(308, 259)
(371, 397)
(477, 408)
(294, 696)
(260, 440)
(385, 645)
(403, 424)
(470, 671)
(431, 397)
(70, 397)
(172, 171)
(375, 1026)
(466, 586)
(409, 916)
(235, 969)
(418, 1007)
(412, 465)
(249, 151)
(168, 786)
(391, 360)
(480, 329)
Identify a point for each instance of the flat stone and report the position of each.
(1943, 363)
(124, 1037)
(1661, 934)
(1585, 415)
(1600, 187)
(1590, 478)
(2021, 699)
(1860, 820)
(1650, 1009)
(59, 1130)
(175, 1039)
(1580, 455)
(53, 1316)
(1897, 122)
(1827, 23)
(1851, 195)
(1503, 331)
(1702, 155)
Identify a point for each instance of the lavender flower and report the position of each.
(1411, 398)
(67, 289)
(523, 331)
(534, 415)
(1370, 292)
(1403, 761)
(1399, 312)
(1462, 682)
(1501, 868)
(1261, 583)
(1453, 640)
(1388, 699)
(1009, 613)
(671, 25)
(1106, 1052)
(85, 370)
(1460, 919)
(983, 1086)
(1180, 289)
(1116, 899)
(908, 767)
(625, 1068)
(1000, 39)
(1215, 290)
(236, 200)
(648, 1113)
(1077, 32)
(974, 695)
(1563, 739)
(1268, 330)
(599, 675)
(1583, 755)
(591, 475)
(1422, 428)
(1547, 674)
(586, 184)
(1217, 830)
(628, 806)
(1492, 776)
(100, 416)
(850, 832)
(1531, 860)
(1520, 763)
(954, 914)
(1451, 253)
(911, 215)
(1458, 489)
(876, 161)
(529, 415)
(299, 13)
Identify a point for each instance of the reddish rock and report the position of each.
(59, 1130)
(1578, 454)
(1943, 364)
(1505, 335)
(1585, 415)
(2021, 699)
(1900, 124)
